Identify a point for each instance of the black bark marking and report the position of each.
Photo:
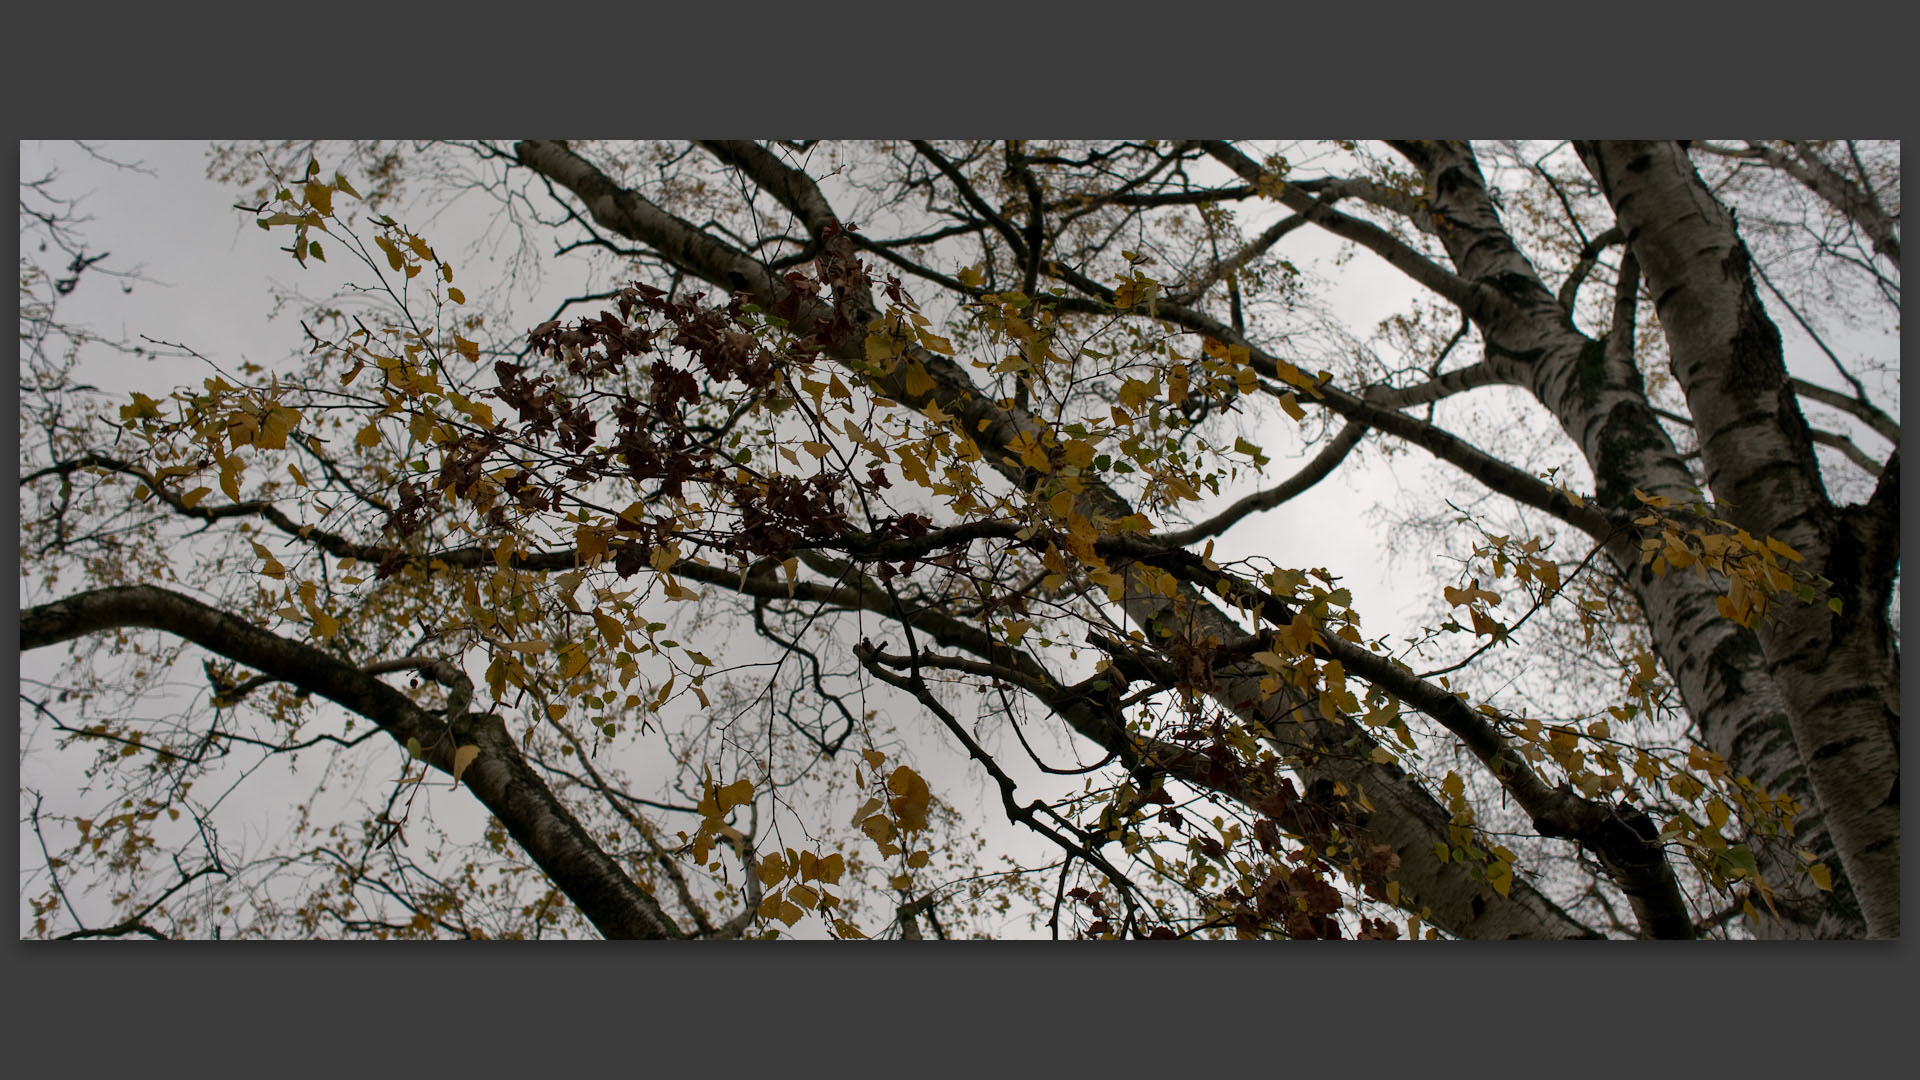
(1590, 371)
(1755, 362)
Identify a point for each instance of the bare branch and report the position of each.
(1322, 466)
(1464, 294)
(1859, 408)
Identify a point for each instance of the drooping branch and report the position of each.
(500, 777)
(1062, 833)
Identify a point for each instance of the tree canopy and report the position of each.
(653, 614)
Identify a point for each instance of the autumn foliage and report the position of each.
(684, 582)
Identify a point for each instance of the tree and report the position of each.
(955, 429)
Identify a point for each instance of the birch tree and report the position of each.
(858, 450)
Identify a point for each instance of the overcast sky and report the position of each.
(209, 278)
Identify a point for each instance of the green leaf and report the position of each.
(1738, 861)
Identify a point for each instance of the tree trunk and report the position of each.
(1836, 672)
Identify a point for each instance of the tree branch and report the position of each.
(1322, 466)
(499, 777)
(1464, 294)
(1855, 407)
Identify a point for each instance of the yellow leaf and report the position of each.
(817, 449)
(456, 296)
(879, 828)
(1134, 394)
(773, 869)
(230, 469)
(918, 382)
(468, 349)
(738, 793)
(1822, 877)
(911, 796)
(463, 757)
(829, 869)
(192, 498)
(143, 408)
(320, 197)
(935, 343)
(556, 710)
(369, 436)
(1292, 407)
(393, 253)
